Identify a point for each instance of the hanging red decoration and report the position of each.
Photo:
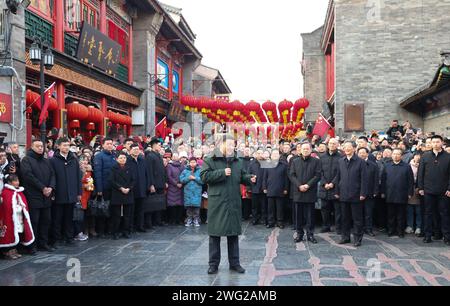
(90, 126)
(299, 109)
(285, 108)
(94, 115)
(74, 124)
(271, 111)
(255, 111)
(77, 111)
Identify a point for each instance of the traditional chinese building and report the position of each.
(12, 75)
(374, 53)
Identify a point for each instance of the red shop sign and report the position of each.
(5, 108)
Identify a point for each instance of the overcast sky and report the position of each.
(256, 44)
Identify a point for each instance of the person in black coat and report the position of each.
(67, 192)
(327, 190)
(157, 177)
(246, 200)
(434, 184)
(14, 158)
(136, 163)
(373, 178)
(276, 186)
(351, 183)
(305, 175)
(259, 199)
(397, 187)
(122, 196)
(38, 180)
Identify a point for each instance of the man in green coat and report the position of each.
(223, 172)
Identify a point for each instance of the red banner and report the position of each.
(5, 108)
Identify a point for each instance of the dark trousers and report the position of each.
(396, 218)
(437, 215)
(304, 213)
(116, 212)
(369, 205)
(233, 251)
(275, 210)
(176, 214)
(259, 207)
(138, 214)
(62, 222)
(381, 209)
(288, 209)
(246, 208)
(41, 219)
(328, 206)
(352, 211)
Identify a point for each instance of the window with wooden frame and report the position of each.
(77, 11)
(119, 31)
(43, 8)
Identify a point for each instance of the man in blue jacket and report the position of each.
(103, 163)
(351, 183)
(397, 187)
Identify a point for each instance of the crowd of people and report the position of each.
(66, 190)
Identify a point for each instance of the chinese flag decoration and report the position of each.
(47, 96)
(321, 126)
(161, 128)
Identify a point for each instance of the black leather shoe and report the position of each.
(270, 225)
(213, 270)
(370, 233)
(69, 243)
(437, 237)
(46, 248)
(357, 244)
(281, 225)
(339, 233)
(447, 241)
(255, 222)
(312, 240)
(298, 239)
(427, 240)
(344, 241)
(401, 236)
(126, 235)
(325, 230)
(238, 269)
(32, 251)
(142, 230)
(115, 237)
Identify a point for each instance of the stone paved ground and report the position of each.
(179, 256)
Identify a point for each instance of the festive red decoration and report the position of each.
(299, 109)
(74, 124)
(271, 111)
(77, 111)
(90, 126)
(94, 115)
(285, 108)
(255, 111)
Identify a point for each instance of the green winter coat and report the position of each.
(224, 195)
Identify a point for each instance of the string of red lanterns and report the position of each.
(288, 115)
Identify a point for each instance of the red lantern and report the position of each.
(74, 124)
(299, 109)
(90, 126)
(285, 108)
(271, 111)
(254, 109)
(77, 111)
(94, 115)
(32, 96)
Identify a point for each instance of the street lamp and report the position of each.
(40, 53)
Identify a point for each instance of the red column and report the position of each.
(130, 55)
(170, 76)
(60, 97)
(58, 42)
(103, 107)
(103, 17)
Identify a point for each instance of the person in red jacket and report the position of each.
(15, 223)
